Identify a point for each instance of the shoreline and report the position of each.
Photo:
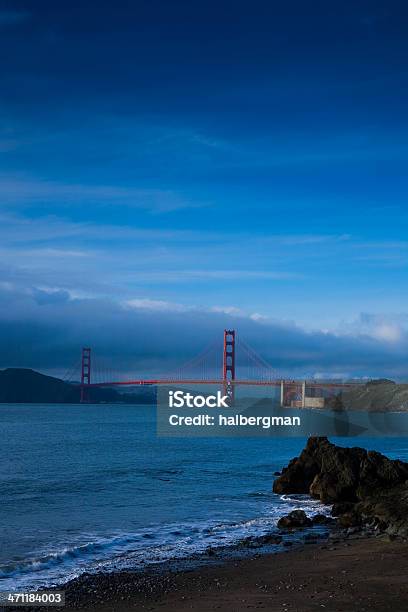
(271, 541)
(344, 572)
(355, 559)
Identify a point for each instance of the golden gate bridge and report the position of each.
(215, 367)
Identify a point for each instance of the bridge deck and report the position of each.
(255, 383)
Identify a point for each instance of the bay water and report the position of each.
(86, 488)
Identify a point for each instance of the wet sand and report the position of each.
(348, 575)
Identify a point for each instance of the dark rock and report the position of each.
(323, 470)
(257, 541)
(270, 538)
(342, 507)
(364, 486)
(349, 519)
(387, 509)
(299, 474)
(377, 471)
(322, 519)
(296, 519)
(334, 474)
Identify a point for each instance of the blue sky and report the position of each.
(184, 166)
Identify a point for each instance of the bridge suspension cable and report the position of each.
(262, 367)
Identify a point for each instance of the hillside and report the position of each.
(376, 396)
(20, 385)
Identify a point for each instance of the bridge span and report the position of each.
(292, 392)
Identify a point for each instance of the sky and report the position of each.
(169, 169)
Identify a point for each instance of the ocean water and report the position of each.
(91, 488)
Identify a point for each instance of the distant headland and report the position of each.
(26, 386)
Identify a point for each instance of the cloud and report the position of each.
(389, 328)
(387, 332)
(20, 228)
(52, 228)
(163, 306)
(239, 312)
(50, 296)
(258, 317)
(29, 191)
(236, 274)
(45, 329)
(106, 259)
(42, 253)
(154, 305)
(230, 310)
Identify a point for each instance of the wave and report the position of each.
(152, 545)
(305, 500)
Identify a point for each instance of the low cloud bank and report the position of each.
(46, 330)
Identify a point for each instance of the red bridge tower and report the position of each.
(85, 373)
(228, 368)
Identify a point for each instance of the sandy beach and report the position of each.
(345, 575)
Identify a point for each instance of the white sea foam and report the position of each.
(144, 547)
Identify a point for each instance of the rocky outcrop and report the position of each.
(364, 486)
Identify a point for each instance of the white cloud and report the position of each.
(258, 317)
(231, 310)
(21, 189)
(388, 328)
(388, 332)
(331, 375)
(154, 305)
(164, 306)
(41, 253)
(152, 336)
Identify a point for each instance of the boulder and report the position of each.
(364, 486)
(296, 519)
